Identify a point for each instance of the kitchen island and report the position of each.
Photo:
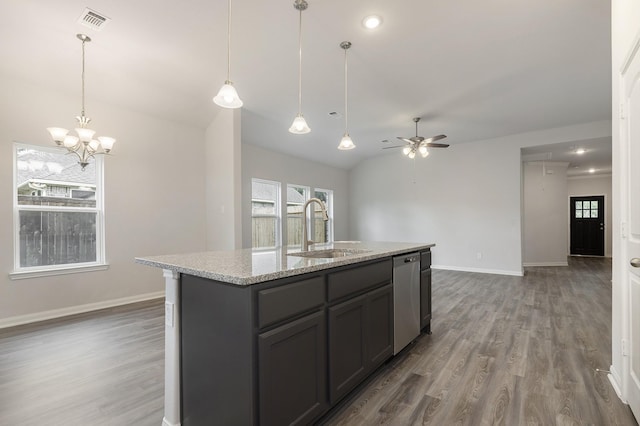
(274, 337)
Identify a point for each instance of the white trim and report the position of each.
(52, 271)
(166, 422)
(72, 310)
(546, 263)
(479, 270)
(614, 379)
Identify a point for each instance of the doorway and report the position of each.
(586, 225)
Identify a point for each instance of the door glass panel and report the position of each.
(579, 214)
(585, 213)
(594, 205)
(594, 213)
(578, 205)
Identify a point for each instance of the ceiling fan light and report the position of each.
(346, 143)
(406, 150)
(423, 151)
(228, 97)
(299, 126)
(412, 154)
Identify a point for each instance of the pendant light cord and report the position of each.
(346, 89)
(300, 65)
(229, 41)
(82, 111)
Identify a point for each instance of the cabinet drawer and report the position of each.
(279, 303)
(425, 260)
(344, 283)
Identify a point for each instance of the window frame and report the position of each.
(22, 272)
(277, 215)
(329, 207)
(306, 196)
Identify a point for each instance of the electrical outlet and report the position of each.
(168, 314)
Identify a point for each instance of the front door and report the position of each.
(630, 146)
(587, 225)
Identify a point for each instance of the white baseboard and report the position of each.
(166, 422)
(72, 310)
(565, 263)
(614, 379)
(479, 270)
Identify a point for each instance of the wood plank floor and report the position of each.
(504, 351)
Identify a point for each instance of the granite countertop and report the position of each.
(250, 266)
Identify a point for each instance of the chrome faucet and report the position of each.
(325, 217)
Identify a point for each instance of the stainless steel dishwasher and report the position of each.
(406, 300)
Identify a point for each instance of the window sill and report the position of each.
(21, 275)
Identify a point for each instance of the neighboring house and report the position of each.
(46, 174)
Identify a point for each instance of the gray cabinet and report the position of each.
(425, 291)
(360, 339)
(292, 371)
(360, 316)
(282, 352)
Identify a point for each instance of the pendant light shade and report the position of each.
(300, 126)
(346, 143)
(227, 96)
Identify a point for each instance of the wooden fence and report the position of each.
(264, 231)
(57, 238)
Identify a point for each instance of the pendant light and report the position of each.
(299, 126)
(228, 97)
(346, 143)
(83, 145)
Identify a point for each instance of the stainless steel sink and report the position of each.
(330, 253)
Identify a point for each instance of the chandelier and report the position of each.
(83, 145)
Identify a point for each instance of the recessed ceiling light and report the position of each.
(580, 151)
(592, 170)
(372, 22)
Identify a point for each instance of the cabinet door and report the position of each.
(292, 372)
(425, 299)
(379, 326)
(347, 353)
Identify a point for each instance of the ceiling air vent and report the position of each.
(92, 19)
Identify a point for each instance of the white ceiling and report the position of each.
(596, 156)
(472, 69)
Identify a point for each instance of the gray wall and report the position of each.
(466, 199)
(260, 163)
(545, 214)
(154, 202)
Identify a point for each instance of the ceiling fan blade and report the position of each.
(437, 145)
(396, 146)
(435, 138)
(405, 139)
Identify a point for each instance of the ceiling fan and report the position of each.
(419, 144)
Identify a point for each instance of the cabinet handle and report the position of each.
(635, 262)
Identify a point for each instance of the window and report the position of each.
(58, 211)
(586, 209)
(323, 232)
(296, 197)
(265, 213)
